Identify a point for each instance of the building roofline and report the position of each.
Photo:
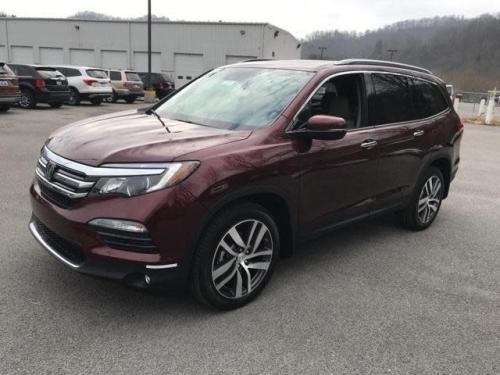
(138, 21)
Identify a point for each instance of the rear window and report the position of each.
(23, 70)
(46, 73)
(428, 99)
(131, 76)
(96, 73)
(391, 101)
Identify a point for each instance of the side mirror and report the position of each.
(323, 127)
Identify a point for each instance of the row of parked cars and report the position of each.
(27, 85)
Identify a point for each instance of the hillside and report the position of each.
(465, 52)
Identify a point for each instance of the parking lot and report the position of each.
(369, 298)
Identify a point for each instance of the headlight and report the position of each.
(131, 185)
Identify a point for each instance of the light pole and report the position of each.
(392, 52)
(322, 49)
(149, 44)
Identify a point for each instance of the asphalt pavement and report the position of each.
(370, 298)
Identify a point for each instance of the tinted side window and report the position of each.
(115, 75)
(390, 100)
(428, 99)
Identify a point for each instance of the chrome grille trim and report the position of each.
(57, 187)
(73, 182)
(100, 171)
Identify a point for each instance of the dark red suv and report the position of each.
(212, 185)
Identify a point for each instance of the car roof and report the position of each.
(341, 65)
(73, 66)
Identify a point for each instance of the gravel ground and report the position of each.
(370, 298)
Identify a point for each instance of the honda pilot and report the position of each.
(211, 186)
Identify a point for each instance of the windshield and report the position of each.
(132, 76)
(95, 73)
(235, 98)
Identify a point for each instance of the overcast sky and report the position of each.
(299, 17)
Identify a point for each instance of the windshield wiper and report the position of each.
(151, 111)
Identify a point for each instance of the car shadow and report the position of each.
(112, 297)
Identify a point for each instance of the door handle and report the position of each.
(370, 143)
(418, 133)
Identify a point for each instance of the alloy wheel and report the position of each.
(25, 101)
(242, 259)
(429, 199)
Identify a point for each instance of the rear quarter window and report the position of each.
(115, 75)
(428, 99)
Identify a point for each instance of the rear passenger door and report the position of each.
(391, 113)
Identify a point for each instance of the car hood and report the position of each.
(134, 137)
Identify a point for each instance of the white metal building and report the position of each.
(182, 49)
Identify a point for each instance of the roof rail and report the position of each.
(254, 60)
(382, 63)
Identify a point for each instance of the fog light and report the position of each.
(147, 279)
(125, 225)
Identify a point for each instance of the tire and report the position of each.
(74, 96)
(420, 213)
(221, 268)
(4, 108)
(96, 101)
(27, 100)
(56, 105)
(130, 99)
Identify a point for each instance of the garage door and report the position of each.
(187, 67)
(22, 55)
(51, 55)
(114, 59)
(141, 61)
(233, 59)
(82, 57)
(3, 54)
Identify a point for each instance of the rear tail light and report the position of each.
(40, 84)
(90, 82)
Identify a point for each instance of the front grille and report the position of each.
(123, 240)
(65, 248)
(58, 199)
(61, 185)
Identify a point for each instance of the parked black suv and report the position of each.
(161, 83)
(40, 84)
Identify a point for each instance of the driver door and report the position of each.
(337, 176)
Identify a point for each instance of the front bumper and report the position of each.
(131, 273)
(66, 235)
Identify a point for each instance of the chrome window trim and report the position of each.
(118, 170)
(290, 126)
(34, 231)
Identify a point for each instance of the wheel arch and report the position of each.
(443, 163)
(275, 202)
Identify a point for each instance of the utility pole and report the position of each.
(392, 52)
(149, 44)
(322, 49)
